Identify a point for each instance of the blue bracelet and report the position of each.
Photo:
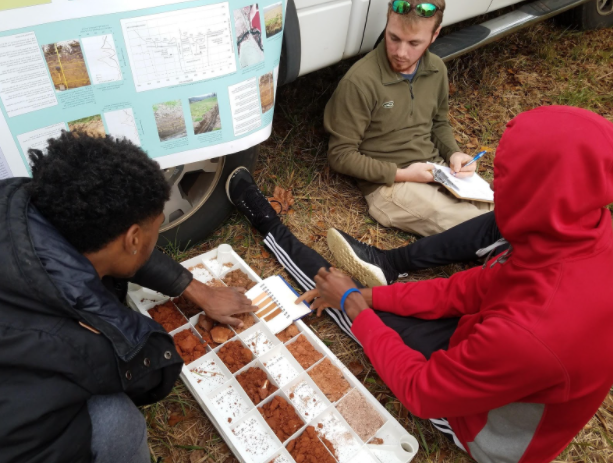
(344, 298)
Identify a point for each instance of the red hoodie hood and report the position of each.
(553, 179)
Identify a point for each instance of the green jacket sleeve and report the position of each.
(442, 134)
(346, 119)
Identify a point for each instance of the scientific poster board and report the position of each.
(185, 80)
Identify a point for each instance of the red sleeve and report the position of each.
(496, 365)
(438, 298)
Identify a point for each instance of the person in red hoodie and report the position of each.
(519, 378)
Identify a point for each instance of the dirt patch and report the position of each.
(288, 333)
(330, 380)
(304, 352)
(255, 383)
(221, 334)
(247, 319)
(360, 415)
(238, 279)
(186, 306)
(281, 417)
(308, 448)
(205, 327)
(168, 316)
(235, 356)
(189, 346)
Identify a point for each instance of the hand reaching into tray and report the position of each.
(220, 303)
(331, 286)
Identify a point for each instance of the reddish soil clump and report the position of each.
(288, 333)
(360, 415)
(221, 334)
(189, 346)
(186, 306)
(281, 417)
(238, 279)
(247, 319)
(307, 448)
(235, 356)
(330, 380)
(255, 383)
(168, 316)
(304, 352)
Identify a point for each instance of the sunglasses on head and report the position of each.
(425, 10)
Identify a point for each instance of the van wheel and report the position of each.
(596, 14)
(198, 203)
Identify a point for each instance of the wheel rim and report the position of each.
(605, 7)
(191, 185)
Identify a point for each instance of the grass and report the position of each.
(540, 66)
(169, 104)
(199, 108)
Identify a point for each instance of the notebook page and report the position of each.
(472, 187)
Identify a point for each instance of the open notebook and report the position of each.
(472, 188)
(275, 300)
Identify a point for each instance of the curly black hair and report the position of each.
(94, 189)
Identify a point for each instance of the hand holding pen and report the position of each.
(459, 164)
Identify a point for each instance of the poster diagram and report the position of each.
(169, 120)
(248, 28)
(180, 47)
(273, 18)
(205, 113)
(121, 124)
(102, 59)
(267, 92)
(66, 65)
(246, 114)
(37, 139)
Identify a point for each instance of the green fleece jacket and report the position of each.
(379, 122)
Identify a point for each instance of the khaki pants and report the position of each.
(421, 208)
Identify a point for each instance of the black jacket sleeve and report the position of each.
(161, 273)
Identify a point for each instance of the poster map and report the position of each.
(186, 80)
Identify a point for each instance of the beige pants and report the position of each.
(421, 208)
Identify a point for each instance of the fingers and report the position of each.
(464, 174)
(233, 322)
(240, 290)
(308, 296)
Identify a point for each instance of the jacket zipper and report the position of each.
(412, 96)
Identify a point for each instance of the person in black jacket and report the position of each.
(74, 361)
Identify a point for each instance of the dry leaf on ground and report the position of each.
(281, 200)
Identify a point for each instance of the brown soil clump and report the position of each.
(235, 356)
(307, 448)
(168, 316)
(377, 441)
(255, 383)
(281, 417)
(186, 306)
(238, 279)
(304, 352)
(221, 334)
(330, 380)
(360, 415)
(288, 333)
(189, 346)
(247, 319)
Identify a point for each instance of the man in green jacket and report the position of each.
(389, 117)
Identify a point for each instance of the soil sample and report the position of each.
(215, 283)
(304, 352)
(281, 417)
(330, 380)
(186, 306)
(360, 415)
(247, 319)
(288, 333)
(221, 334)
(238, 279)
(168, 316)
(189, 346)
(235, 356)
(307, 448)
(255, 383)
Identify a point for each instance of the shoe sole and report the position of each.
(368, 274)
(228, 182)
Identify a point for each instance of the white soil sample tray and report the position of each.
(239, 421)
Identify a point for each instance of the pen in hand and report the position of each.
(475, 159)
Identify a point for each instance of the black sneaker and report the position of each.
(364, 262)
(247, 197)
